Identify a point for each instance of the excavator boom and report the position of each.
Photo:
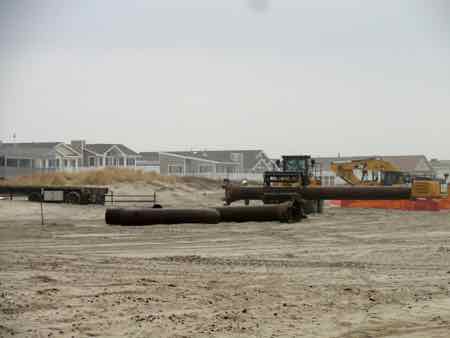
(381, 172)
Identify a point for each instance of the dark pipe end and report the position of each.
(112, 216)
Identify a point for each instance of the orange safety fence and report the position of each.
(416, 205)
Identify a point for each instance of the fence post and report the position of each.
(42, 206)
(112, 197)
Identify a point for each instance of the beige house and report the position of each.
(26, 158)
(18, 159)
(99, 155)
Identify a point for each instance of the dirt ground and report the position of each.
(346, 273)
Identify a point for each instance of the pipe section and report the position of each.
(285, 212)
(147, 216)
(234, 192)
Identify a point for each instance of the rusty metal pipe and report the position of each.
(357, 193)
(234, 192)
(147, 216)
(285, 212)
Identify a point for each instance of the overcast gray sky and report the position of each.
(319, 77)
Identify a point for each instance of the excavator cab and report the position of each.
(389, 178)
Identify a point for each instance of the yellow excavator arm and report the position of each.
(386, 174)
(376, 166)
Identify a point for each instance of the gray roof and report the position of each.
(101, 148)
(440, 165)
(250, 157)
(28, 149)
(435, 161)
(151, 156)
(407, 163)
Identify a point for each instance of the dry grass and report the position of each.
(106, 177)
(95, 177)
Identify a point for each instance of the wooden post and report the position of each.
(42, 206)
(112, 197)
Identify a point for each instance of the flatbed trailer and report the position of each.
(61, 194)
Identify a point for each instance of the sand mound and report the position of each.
(111, 176)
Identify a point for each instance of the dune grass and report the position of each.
(97, 177)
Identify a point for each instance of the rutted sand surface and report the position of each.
(346, 273)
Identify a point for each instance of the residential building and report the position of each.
(417, 165)
(235, 164)
(99, 155)
(441, 167)
(27, 158)
(149, 161)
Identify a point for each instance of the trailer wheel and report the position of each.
(35, 197)
(72, 198)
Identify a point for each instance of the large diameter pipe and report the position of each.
(356, 193)
(285, 212)
(234, 192)
(141, 216)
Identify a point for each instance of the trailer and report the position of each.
(57, 194)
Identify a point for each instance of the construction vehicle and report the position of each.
(295, 171)
(369, 171)
(375, 171)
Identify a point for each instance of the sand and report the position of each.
(345, 273)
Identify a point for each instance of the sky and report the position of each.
(315, 77)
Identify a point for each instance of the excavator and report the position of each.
(369, 171)
(375, 171)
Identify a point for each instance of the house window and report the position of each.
(24, 163)
(66, 163)
(2, 161)
(175, 169)
(51, 163)
(108, 161)
(92, 161)
(100, 161)
(57, 163)
(73, 163)
(236, 157)
(11, 162)
(121, 161)
(205, 169)
(131, 161)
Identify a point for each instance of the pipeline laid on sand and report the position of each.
(235, 192)
(147, 216)
(284, 212)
